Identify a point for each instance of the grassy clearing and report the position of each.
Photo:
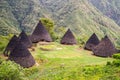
(68, 55)
(64, 62)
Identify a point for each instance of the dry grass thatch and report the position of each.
(12, 43)
(22, 56)
(25, 39)
(40, 34)
(25, 62)
(68, 38)
(92, 42)
(105, 48)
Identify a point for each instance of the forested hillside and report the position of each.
(81, 16)
(110, 8)
(8, 22)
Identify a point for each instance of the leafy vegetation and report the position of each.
(11, 71)
(116, 56)
(110, 8)
(3, 42)
(117, 61)
(49, 24)
(62, 62)
(8, 23)
(82, 17)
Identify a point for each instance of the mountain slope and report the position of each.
(26, 12)
(110, 8)
(79, 15)
(7, 21)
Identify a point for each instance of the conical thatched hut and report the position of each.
(105, 48)
(22, 56)
(92, 41)
(68, 38)
(11, 45)
(25, 40)
(40, 34)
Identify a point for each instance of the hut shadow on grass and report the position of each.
(44, 43)
(46, 49)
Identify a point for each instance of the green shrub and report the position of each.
(1, 60)
(116, 63)
(116, 56)
(108, 63)
(2, 47)
(80, 41)
(109, 77)
(32, 73)
(11, 71)
(3, 42)
(54, 37)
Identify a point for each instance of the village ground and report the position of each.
(55, 61)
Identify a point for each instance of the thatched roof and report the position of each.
(105, 48)
(11, 45)
(40, 34)
(25, 40)
(92, 41)
(68, 38)
(22, 56)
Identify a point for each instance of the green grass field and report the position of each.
(63, 62)
(67, 55)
